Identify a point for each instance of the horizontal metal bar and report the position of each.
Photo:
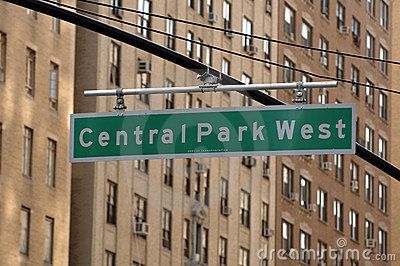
(211, 88)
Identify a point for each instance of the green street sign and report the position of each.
(245, 131)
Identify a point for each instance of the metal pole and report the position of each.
(212, 88)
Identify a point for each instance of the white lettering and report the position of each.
(223, 134)
(257, 132)
(285, 129)
(104, 137)
(325, 133)
(183, 133)
(152, 133)
(241, 129)
(81, 141)
(137, 134)
(168, 136)
(340, 127)
(119, 134)
(201, 133)
(306, 131)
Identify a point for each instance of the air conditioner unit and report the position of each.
(251, 49)
(356, 39)
(311, 207)
(141, 228)
(212, 17)
(294, 196)
(370, 242)
(249, 161)
(327, 166)
(324, 61)
(267, 232)
(325, 11)
(344, 29)
(354, 185)
(201, 169)
(226, 210)
(268, 8)
(144, 66)
(228, 33)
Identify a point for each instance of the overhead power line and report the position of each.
(243, 34)
(309, 73)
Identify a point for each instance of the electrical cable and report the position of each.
(243, 34)
(226, 50)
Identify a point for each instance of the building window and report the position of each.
(110, 258)
(305, 192)
(189, 44)
(370, 45)
(191, 4)
(171, 31)
(111, 202)
(200, 7)
(323, 96)
(353, 221)
(287, 235)
(290, 22)
(338, 214)
(48, 240)
(28, 141)
(322, 203)
(321, 253)
(204, 245)
(53, 85)
(306, 34)
(383, 55)
(382, 197)
(244, 259)
(140, 209)
(338, 162)
(142, 165)
(223, 251)
(186, 234)
(245, 208)
(30, 71)
(369, 188)
(144, 20)
(226, 66)
(383, 101)
(264, 219)
(210, 6)
(354, 176)
(369, 138)
(208, 59)
(382, 242)
(287, 181)
(369, 94)
(197, 183)
(3, 50)
(115, 58)
(51, 162)
(325, 8)
(188, 174)
(246, 79)
(339, 66)
(382, 148)
(369, 229)
(227, 15)
(116, 10)
(371, 7)
(267, 50)
(170, 97)
(247, 28)
(305, 245)
(266, 166)
(206, 188)
(199, 50)
(355, 78)
(166, 229)
(25, 219)
(224, 195)
(55, 23)
(324, 57)
(356, 31)
(340, 15)
(288, 71)
(383, 14)
(168, 171)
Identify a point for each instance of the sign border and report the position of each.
(216, 154)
